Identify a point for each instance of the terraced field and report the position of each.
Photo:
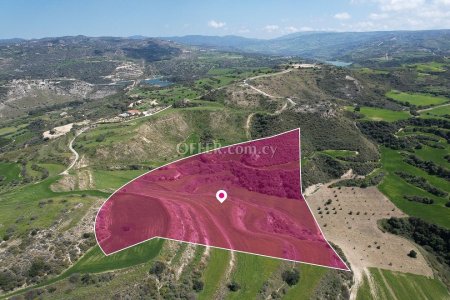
(395, 285)
(95, 260)
(9, 172)
(437, 112)
(395, 188)
(416, 99)
(380, 114)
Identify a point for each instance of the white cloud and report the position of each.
(291, 29)
(342, 16)
(271, 28)
(442, 2)
(402, 15)
(399, 5)
(375, 16)
(306, 28)
(216, 24)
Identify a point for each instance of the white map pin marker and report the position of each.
(221, 195)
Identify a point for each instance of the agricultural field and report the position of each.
(381, 114)
(395, 285)
(416, 99)
(431, 67)
(9, 172)
(437, 112)
(395, 188)
(95, 261)
(340, 153)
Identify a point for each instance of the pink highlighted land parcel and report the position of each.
(263, 212)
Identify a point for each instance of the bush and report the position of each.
(86, 279)
(100, 138)
(419, 199)
(87, 235)
(291, 277)
(38, 267)
(412, 254)
(431, 237)
(157, 268)
(234, 286)
(8, 280)
(74, 278)
(197, 285)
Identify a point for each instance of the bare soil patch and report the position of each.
(350, 221)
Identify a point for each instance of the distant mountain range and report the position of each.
(349, 46)
(331, 45)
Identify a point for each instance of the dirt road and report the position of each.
(77, 156)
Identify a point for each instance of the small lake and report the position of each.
(157, 81)
(338, 63)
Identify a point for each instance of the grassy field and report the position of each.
(340, 153)
(94, 261)
(372, 71)
(435, 155)
(436, 112)
(167, 95)
(214, 273)
(395, 285)
(416, 99)
(395, 188)
(21, 217)
(251, 282)
(9, 172)
(364, 291)
(380, 114)
(37, 206)
(310, 277)
(433, 67)
(112, 180)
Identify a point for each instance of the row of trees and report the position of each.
(428, 166)
(421, 183)
(433, 238)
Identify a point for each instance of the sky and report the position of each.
(249, 18)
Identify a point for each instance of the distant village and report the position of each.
(132, 112)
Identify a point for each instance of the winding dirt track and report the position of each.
(77, 156)
(288, 104)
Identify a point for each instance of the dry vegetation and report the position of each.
(350, 221)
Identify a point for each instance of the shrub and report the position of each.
(38, 267)
(234, 286)
(8, 280)
(74, 278)
(412, 254)
(197, 285)
(157, 268)
(291, 277)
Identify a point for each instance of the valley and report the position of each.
(80, 121)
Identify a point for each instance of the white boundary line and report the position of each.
(301, 192)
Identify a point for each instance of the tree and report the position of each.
(157, 268)
(74, 278)
(86, 278)
(197, 285)
(412, 254)
(38, 267)
(234, 286)
(291, 277)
